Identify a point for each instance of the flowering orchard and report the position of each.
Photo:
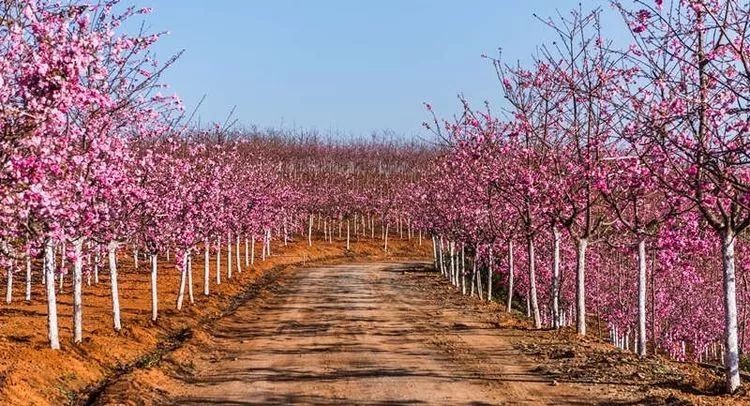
(98, 167)
(611, 191)
(615, 184)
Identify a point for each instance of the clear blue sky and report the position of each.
(343, 65)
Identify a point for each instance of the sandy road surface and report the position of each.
(358, 334)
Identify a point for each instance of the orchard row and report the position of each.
(615, 181)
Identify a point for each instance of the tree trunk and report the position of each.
(237, 254)
(247, 252)
(441, 258)
(581, 286)
(463, 269)
(434, 252)
(285, 233)
(49, 270)
(218, 260)
(642, 297)
(190, 276)
(61, 276)
(28, 277)
(154, 288)
(347, 235)
(473, 275)
(96, 266)
(183, 277)
(452, 266)
(509, 305)
(556, 278)
(479, 282)
(309, 232)
(78, 291)
(206, 271)
(9, 287)
(489, 275)
(229, 256)
(534, 304)
(731, 354)
(385, 247)
(263, 248)
(112, 255)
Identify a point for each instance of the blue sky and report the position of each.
(347, 67)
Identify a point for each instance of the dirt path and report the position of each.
(356, 334)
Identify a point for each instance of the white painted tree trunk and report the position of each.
(135, 259)
(463, 269)
(237, 255)
(78, 291)
(452, 263)
(473, 276)
(434, 252)
(309, 232)
(479, 283)
(581, 286)
(28, 277)
(642, 297)
(555, 278)
(96, 266)
(183, 280)
(441, 257)
(489, 275)
(63, 256)
(347, 235)
(532, 298)
(385, 238)
(420, 237)
(528, 304)
(218, 260)
(247, 252)
(731, 353)
(112, 254)
(206, 270)
(9, 287)
(154, 287)
(49, 271)
(190, 276)
(229, 256)
(511, 276)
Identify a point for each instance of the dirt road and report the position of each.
(364, 334)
